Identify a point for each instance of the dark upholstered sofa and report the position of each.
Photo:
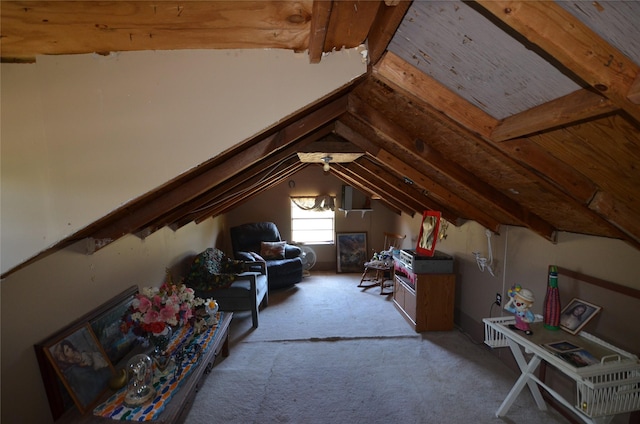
(261, 241)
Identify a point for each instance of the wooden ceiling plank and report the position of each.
(384, 27)
(349, 24)
(577, 106)
(459, 206)
(566, 178)
(574, 45)
(619, 215)
(394, 69)
(357, 139)
(319, 25)
(634, 91)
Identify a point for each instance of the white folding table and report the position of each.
(604, 389)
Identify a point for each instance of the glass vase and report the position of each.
(160, 353)
(140, 386)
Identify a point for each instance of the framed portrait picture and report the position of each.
(351, 249)
(82, 365)
(577, 314)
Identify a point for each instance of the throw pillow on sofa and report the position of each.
(270, 250)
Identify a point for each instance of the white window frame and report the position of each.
(303, 222)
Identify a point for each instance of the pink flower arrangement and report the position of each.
(153, 309)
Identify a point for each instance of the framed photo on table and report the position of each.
(103, 324)
(351, 250)
(577, 314)
(82, 365)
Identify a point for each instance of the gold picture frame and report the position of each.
(82, 364)
(577, 314)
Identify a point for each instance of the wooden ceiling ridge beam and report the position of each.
(431, 158)
(574, 107)
(575, 46)
(138, 215)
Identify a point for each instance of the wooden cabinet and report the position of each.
(424, 300)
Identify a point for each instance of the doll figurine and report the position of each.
(520, 302)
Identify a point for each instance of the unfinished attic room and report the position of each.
(320, 212)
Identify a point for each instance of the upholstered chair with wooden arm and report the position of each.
(235, 285)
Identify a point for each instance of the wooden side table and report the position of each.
(178, 407)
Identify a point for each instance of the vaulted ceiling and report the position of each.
(504, 112)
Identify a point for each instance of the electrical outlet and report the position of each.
(498, 299)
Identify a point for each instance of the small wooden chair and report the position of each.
(376, 273)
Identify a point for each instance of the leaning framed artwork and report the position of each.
(428, 233)
(107, 327)
(82, 365)
(577, 314)
(351, 250)
(102, 324)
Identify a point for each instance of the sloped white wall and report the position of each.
(84, 134)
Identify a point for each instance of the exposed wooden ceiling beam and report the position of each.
(388, 187)
(349, 24)
(574, 45)
(566, 110)
(73, 27)
(319, 24)
(384, 27)
(395, 70)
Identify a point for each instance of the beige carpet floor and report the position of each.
(327, 351)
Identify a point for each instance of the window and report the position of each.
(312, 220)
